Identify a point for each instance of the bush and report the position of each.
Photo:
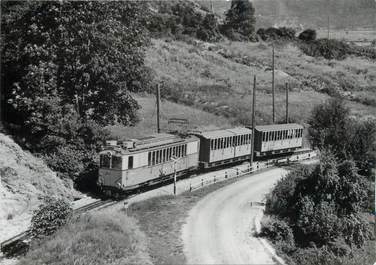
(280, 200)
(272, 33)
(51, 215)
(277, 230)
(329, 49)
(308, 35)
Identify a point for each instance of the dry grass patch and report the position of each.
(100, 238)
(198, 119)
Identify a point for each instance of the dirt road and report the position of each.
(220, 228)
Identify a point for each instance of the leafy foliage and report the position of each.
(240, 19)
(179, 19)
(85, 54)
(50, 216)
(323, 203)
(68, 69)
(277, 230)
(332, 128)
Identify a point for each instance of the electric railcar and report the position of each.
(131, 164)
(140, 162)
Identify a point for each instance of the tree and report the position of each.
(241, 18)
(51, 214)
(331, 127)
(87, 54)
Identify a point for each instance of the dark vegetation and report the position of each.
(183, 20)
(321, 214)
(51, 215)
(308, 35)
(240, 21)
(67, 71)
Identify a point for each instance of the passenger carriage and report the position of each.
(277, 139)
(131, 164)
(224, 146)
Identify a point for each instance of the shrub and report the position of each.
(308, 35)
(272, 33)
(51, 215)
(277, 230)
(280, 199)
(329, 49)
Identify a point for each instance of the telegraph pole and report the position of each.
(253, 120)
(287, 103)
(273, 89)
(158, 102)
(328, 27)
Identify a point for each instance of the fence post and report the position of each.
(202, 182)
(214, 179)
(225, 174)
(190, 186)
(237, 172)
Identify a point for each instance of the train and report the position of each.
(132, 164)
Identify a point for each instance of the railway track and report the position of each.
(19, 244)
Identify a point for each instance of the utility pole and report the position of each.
(328, 27)
(253, 120)
(273, 89)
(211, 6)
(287, 103)
(158, 102)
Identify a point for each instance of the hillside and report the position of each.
(218, 77)
(25, 180)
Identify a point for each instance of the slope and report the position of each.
(25, 180)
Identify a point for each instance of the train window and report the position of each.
(149, 158)
(153, 158)
(225, 142)
(164, 155)
(116, 162)
(130, 162)
(105, 160)
(185, 150)
(211, 144)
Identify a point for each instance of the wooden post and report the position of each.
(158, 102)
(287, 103)
(253, 120)
(273, 85)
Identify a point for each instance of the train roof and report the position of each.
(148, 142)
(225, 133)
(278, 127)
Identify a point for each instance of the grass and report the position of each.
(108, 237)
(198, 119)
(218, 77)
(161, 220)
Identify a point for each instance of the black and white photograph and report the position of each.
(173, 132)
